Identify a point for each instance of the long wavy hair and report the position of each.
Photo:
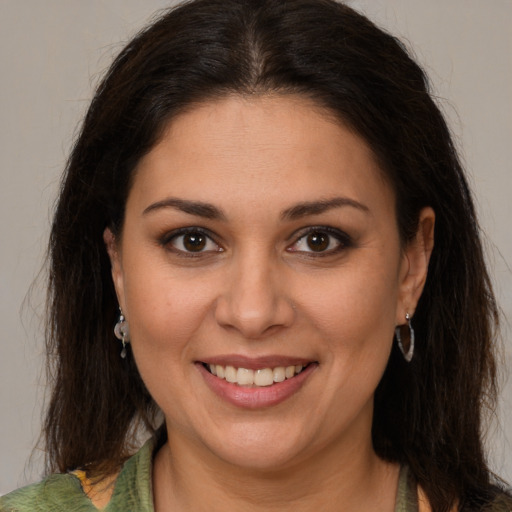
(428, 414)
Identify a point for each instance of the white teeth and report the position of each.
(260, 378)
(279, 374)
(264, 377)
(230, 374)
(245, 377)
(289, 372)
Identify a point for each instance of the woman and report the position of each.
(265, 206)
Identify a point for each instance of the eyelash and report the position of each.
(341, 239)
(168, 239)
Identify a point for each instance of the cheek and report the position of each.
(353, 301)
(166, 316)
(354, 313)
(164, 310)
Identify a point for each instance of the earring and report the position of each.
(122, 332)
(406, 340)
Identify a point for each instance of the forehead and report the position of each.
(276, 148)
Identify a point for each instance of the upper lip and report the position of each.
(256, 363)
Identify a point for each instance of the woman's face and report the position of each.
(261, 273)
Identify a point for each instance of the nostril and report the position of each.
(254, 316)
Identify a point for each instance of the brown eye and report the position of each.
(318, 241)
(191, 241)
(194, 242)
(321, 241)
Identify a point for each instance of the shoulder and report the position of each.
(133, 488)
(56, 493)
(66, 492)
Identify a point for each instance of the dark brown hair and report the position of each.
(427, 413)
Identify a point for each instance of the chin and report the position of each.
(259, 449)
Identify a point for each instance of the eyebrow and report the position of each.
(317, 207)
(209, 211)
(197, 208)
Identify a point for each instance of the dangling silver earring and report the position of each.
(406, 340)
(122, 332)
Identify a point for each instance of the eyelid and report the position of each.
(166, 241)
(344, 240)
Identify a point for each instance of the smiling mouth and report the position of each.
(263, 377)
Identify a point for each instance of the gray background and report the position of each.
(52, 53)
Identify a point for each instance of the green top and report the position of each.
(133, 493)
(63, 492)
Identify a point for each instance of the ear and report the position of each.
(111, 245)
(414, 265)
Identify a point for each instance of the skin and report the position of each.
(258, 288)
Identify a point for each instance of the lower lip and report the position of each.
(256, 397)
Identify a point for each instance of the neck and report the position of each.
(188, 477)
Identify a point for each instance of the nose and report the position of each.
(253, 299)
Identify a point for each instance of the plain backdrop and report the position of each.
(52, 53)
